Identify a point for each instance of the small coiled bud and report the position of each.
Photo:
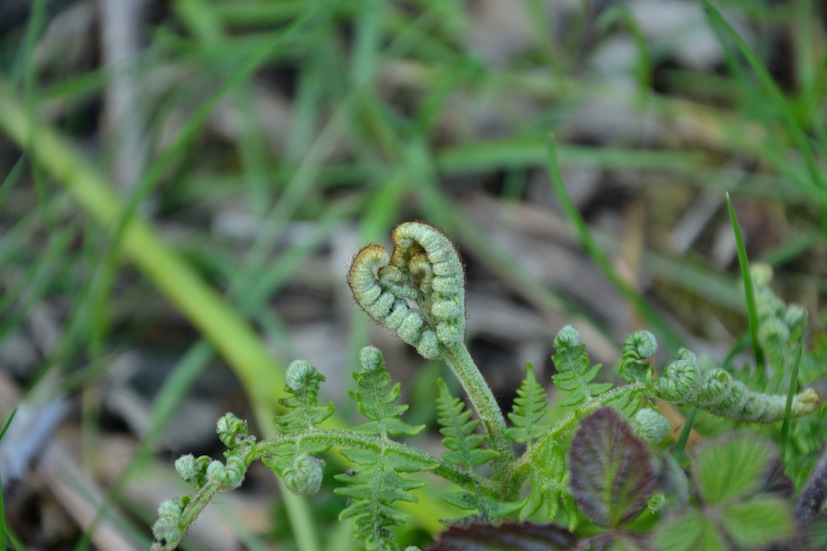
(773, 332)
(567, 337)
(301, 377)
(637, 348)
(167, 528)
(681, 379)
(193, 470)
(796, 318)
(227, 477)
(231, 430)
(371, 359)
(715, 387)
(650, 425)
(170, 508)
(304, 476)
(657, 502)
(640, 344)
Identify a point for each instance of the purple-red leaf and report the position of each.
(613, 474)
(510, 536)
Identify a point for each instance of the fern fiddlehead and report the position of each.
(685, 382)
(424, 268)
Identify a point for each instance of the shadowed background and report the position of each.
(261, 144)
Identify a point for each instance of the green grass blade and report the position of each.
(234, 339)
(726, 33)
(11, 179)
(680, 445)
(749, 291)
(785, 426)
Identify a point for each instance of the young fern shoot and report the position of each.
(417, 291)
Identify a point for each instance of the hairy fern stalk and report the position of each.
(417, 291)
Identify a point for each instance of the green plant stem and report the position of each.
(452, 473)
(680, 445)
(484, 403)
(569, 422)
(259, 373)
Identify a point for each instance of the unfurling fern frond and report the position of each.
(637, 349)
(424, 268)
(292, 459)
(574, 373)
(377, 482)
(715, 390)
(530, 407)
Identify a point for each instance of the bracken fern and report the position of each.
(417, 291)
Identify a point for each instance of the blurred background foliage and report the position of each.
(184, 183)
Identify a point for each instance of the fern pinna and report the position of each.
(377, 481)
(417, 292)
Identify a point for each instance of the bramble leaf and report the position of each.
(573, 372)
(613, 474)
(505, 537)
(689, 532)
(755, 523)
(732, 468)
(530, 407)
(742, 492)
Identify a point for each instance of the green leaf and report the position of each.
(548, 481)
(732, 468)
(530, 407)
(458, 430)
(371, 492)
(375, 396)
(613, 474)
(505, 537)
(461, 500)
(760, 521)
(573, 372)
(689, 532)
(377, 484)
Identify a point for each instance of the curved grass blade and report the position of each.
(749, 291)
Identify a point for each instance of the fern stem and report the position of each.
(348, 438)
(482, 399)
(569, 422)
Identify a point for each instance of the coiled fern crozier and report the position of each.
(417, 291)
